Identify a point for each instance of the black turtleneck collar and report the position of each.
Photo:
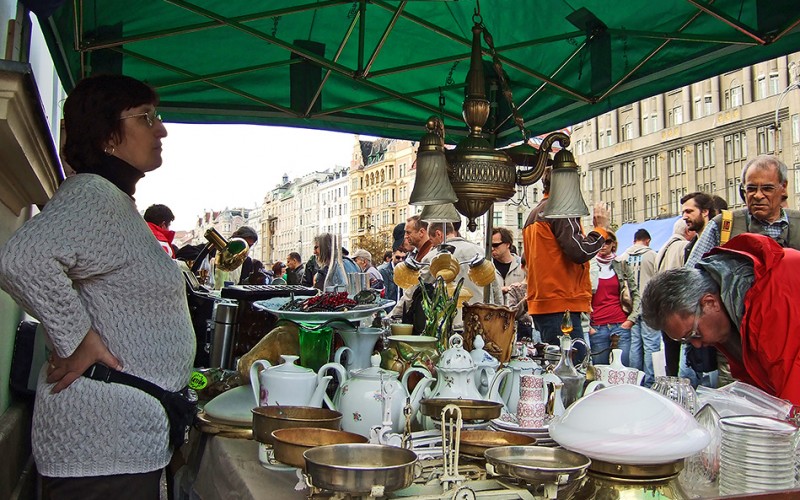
(118, 172)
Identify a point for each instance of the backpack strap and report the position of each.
(725, 227)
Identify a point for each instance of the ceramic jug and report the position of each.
(616, 373)
(360, 397)
(531, 407)
(358, 346)
(289, 384)
(510, 392)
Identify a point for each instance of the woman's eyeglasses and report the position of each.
(150, 118)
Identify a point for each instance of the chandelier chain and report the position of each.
(498, 68)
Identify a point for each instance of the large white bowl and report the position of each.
(629, 424)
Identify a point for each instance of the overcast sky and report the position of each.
(213, 167)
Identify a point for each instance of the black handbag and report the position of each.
(180, 407)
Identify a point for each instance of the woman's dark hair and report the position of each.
(91, 115)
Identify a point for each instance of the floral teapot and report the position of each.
(288, 384)
(361, 396)
(457, 373)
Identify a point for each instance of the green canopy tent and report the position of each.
(381, 67)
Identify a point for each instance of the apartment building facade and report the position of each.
(642, 158)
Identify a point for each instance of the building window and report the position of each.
(651, 205)
(521, 219)
(675, 196)
(761, 87)
(675, 114)
(795, 129)
(605, 138)
(606, 178)
(704, 154)
(765, 140)
(735, 147)
(626, 132)
(796, 178)
(497, 218)
(773, 83)
(628, 210)
(733, 97)
(698, 108)
(628, 169)
(650, 167)
(675, 160)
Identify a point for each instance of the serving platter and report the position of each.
(357, 313)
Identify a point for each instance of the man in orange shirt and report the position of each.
(558, 255)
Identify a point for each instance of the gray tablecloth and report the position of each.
(230, 470)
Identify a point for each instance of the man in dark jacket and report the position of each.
(294, 269)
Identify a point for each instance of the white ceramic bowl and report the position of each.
(629, 424)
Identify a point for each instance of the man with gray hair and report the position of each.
(763, 186)
(738, 299)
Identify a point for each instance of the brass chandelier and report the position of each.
(480, 175)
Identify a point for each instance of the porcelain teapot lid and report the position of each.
(523, 363)
(288, 369)
(480, 356)
(375, 371)
(456, 357)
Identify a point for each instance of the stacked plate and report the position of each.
(541, 434)
(758, 454)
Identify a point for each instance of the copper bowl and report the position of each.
(475, 442)
(471, 409)
(271, 418)
(289, 444)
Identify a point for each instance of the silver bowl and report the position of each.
(357, 468)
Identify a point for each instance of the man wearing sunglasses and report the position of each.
(763, 188)
(740, 299)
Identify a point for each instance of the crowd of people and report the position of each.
(102, 281)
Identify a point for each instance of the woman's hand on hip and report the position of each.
(64, 371)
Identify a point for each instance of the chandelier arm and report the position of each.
(526, 177)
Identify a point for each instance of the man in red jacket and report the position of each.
(158, 218)
(741, 299)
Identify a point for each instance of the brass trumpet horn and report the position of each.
(230, 253)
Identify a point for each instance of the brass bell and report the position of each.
(566, 199)
(431, 184)
(445, 212)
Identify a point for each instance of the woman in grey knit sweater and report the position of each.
(91, 271)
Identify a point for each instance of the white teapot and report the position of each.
(288, 384)
(486, 365)
(457, 373)
(360, 397)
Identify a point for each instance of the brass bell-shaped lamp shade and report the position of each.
(445, 212)
(463, 296)
(405, 276)
(566, 200)
(431, 184)
(481, 272)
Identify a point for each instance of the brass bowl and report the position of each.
(471, 409)
(475, 442)
(289, 444)
(271, 418)
(357, 468)
(539, 466)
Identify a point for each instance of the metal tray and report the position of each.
(471, 409)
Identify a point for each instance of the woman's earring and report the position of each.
(109, 150)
